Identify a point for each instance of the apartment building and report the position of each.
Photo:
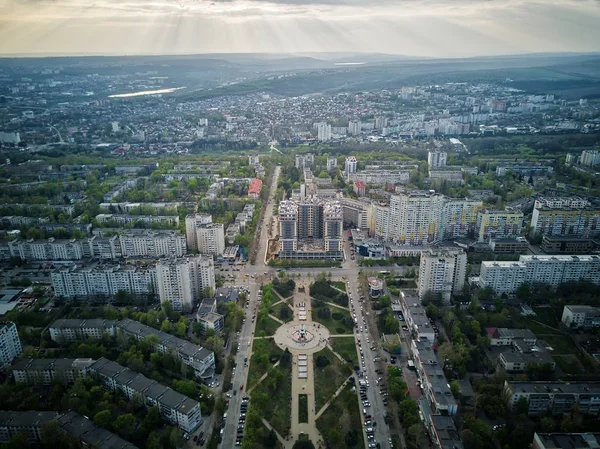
(212, 321)
(174, 407)
(572, 216)
(416, 318)
(152, 244)
(555, 398)
(381, 177)
(436, 159)
(505, 277)
(28, 423)
(199, 358)
(443, 432)
(442, 270)
(357, 214)
(435, 385)
(10, 343)
(48, 371)
(100, 247)
(146, 220)
(412, 218)
(582, 317)
(192, 222)
(331, 163)
(183, 281)
(350, 166)
(459, 218)
(308, 159)
(76, 329)
(310, 228)
(210, 239)
(498, 224)
(48, 249)
(102, 280)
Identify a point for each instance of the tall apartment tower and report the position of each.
(331, 163)
(351, 164)
(182, 281)
(333, 224)
(211, 239)
(10, 344)
(415, 218)
(323, 132)
(191, 224)
(436, 159)
(442, 270)
(354, 127)
(288, 229)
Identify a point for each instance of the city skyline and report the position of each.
(419, 28)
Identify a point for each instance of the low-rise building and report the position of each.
(566, 441)
(212, 321)
(75, 329)
(48, 371)
(566, 245)
(582, 317)
(10, 343)
(556, 398)
(508, 337)
(517, 362)
(517, 245)
(174, 407)
(255, 188)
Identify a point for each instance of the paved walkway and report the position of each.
(261, 378)
(276, 319)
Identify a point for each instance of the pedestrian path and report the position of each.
(276, 319)
(332, 304)
(263, 377)
(331, 399)
(270, 427)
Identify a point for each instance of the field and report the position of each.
(339, 285)
(329, 378)
(346, 347)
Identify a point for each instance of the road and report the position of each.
(247, 332)
(377, 408)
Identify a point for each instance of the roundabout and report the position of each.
(302, 337)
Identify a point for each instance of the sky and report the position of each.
(432, 28)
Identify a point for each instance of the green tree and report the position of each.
(125, 424)
(104, 419)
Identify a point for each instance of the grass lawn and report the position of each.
(259, 364)
(545, 315)
(329, 378)
(342, 417)
(275, 310)
(303, 408)
(339, 285)
(561, 344)
(346, 347)
(538, 329)
(273, 397)
(334, 326)
(266, 326)
(569, 365)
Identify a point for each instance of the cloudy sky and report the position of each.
(439, 28)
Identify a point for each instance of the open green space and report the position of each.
(284, 316)
(568, 364)
(346, 347)
(341, 424)
(335, 326)
(265, 353)
(266, 326)
(339, 285)
(546, 315)
(330, 373)
(273, 397)
(302, 408)
(562, 344)
(539, 329)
